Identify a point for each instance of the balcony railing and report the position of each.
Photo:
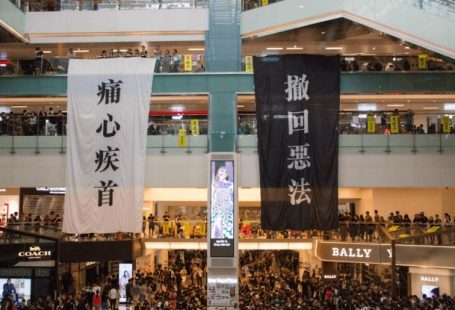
(442, 234)
(37, 133)
(52, 65)
(36, 6)
(59, 65)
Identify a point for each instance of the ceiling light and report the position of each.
(334, 48)
(395, 105)
(449, 106)
(301, 6)
(374, 48)
(2, 189)
(196, 49)
(19, 106)
(274, 48)
(366, 107)
(81, 51)
(240, 106)
(47, 52)
(177, 117)
(177, 108)
(2, 65)
(407, 47)
(294, 48)
(431, 108)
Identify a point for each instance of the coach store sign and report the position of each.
(35, 253)
(354, 252)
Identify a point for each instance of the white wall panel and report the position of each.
(116, 26)
(190, 170)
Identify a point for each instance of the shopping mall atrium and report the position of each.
(390, 240)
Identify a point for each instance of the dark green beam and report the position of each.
(351, 83)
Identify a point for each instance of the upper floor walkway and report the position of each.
(421, 22)
(426, 23)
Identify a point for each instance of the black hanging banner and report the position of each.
(297, 106)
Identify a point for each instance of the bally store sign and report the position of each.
(35, 253)
(357, 253)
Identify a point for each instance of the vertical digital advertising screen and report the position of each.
(222, 222)
(23, 288)
(125, 273)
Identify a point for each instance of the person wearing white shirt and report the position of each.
(113, 295)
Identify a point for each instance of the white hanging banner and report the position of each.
(108, 107)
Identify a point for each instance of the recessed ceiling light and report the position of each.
(431, 108)
(240, 106)
(374, 48)
(334, 48)
(294, 48)
(407, 47)
(366, 107)
(47, 52)
(196, 49)
(177, 108)
(81, 51)
(274, 48)
(395, 105)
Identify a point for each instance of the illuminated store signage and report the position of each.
(35, 253)
(350, 252)
(222, 208)
(330, 276)
(429, 279)
(381, 253)
(52, 190)
(362, 253)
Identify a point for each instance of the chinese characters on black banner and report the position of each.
(298, 158)
(108, 159)
(297, 106)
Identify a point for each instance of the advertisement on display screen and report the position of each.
(125, 272)
(23, 288)
(222, 208)
(430, 290)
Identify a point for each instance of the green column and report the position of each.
(222, 121)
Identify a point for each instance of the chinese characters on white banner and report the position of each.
(108, 105)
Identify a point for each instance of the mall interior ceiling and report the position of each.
(339, 36)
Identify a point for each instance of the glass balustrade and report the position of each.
(359, 133)
(63, 5)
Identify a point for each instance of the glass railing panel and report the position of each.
(32, 6)
(353, 230)
(176, 64)
(443, 8)
(59, 65)
(253, 4)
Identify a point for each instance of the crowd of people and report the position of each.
(382, 123)
(352, 227)
(44, 122)
(268, 280)
(48, 121)
(166, 61)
